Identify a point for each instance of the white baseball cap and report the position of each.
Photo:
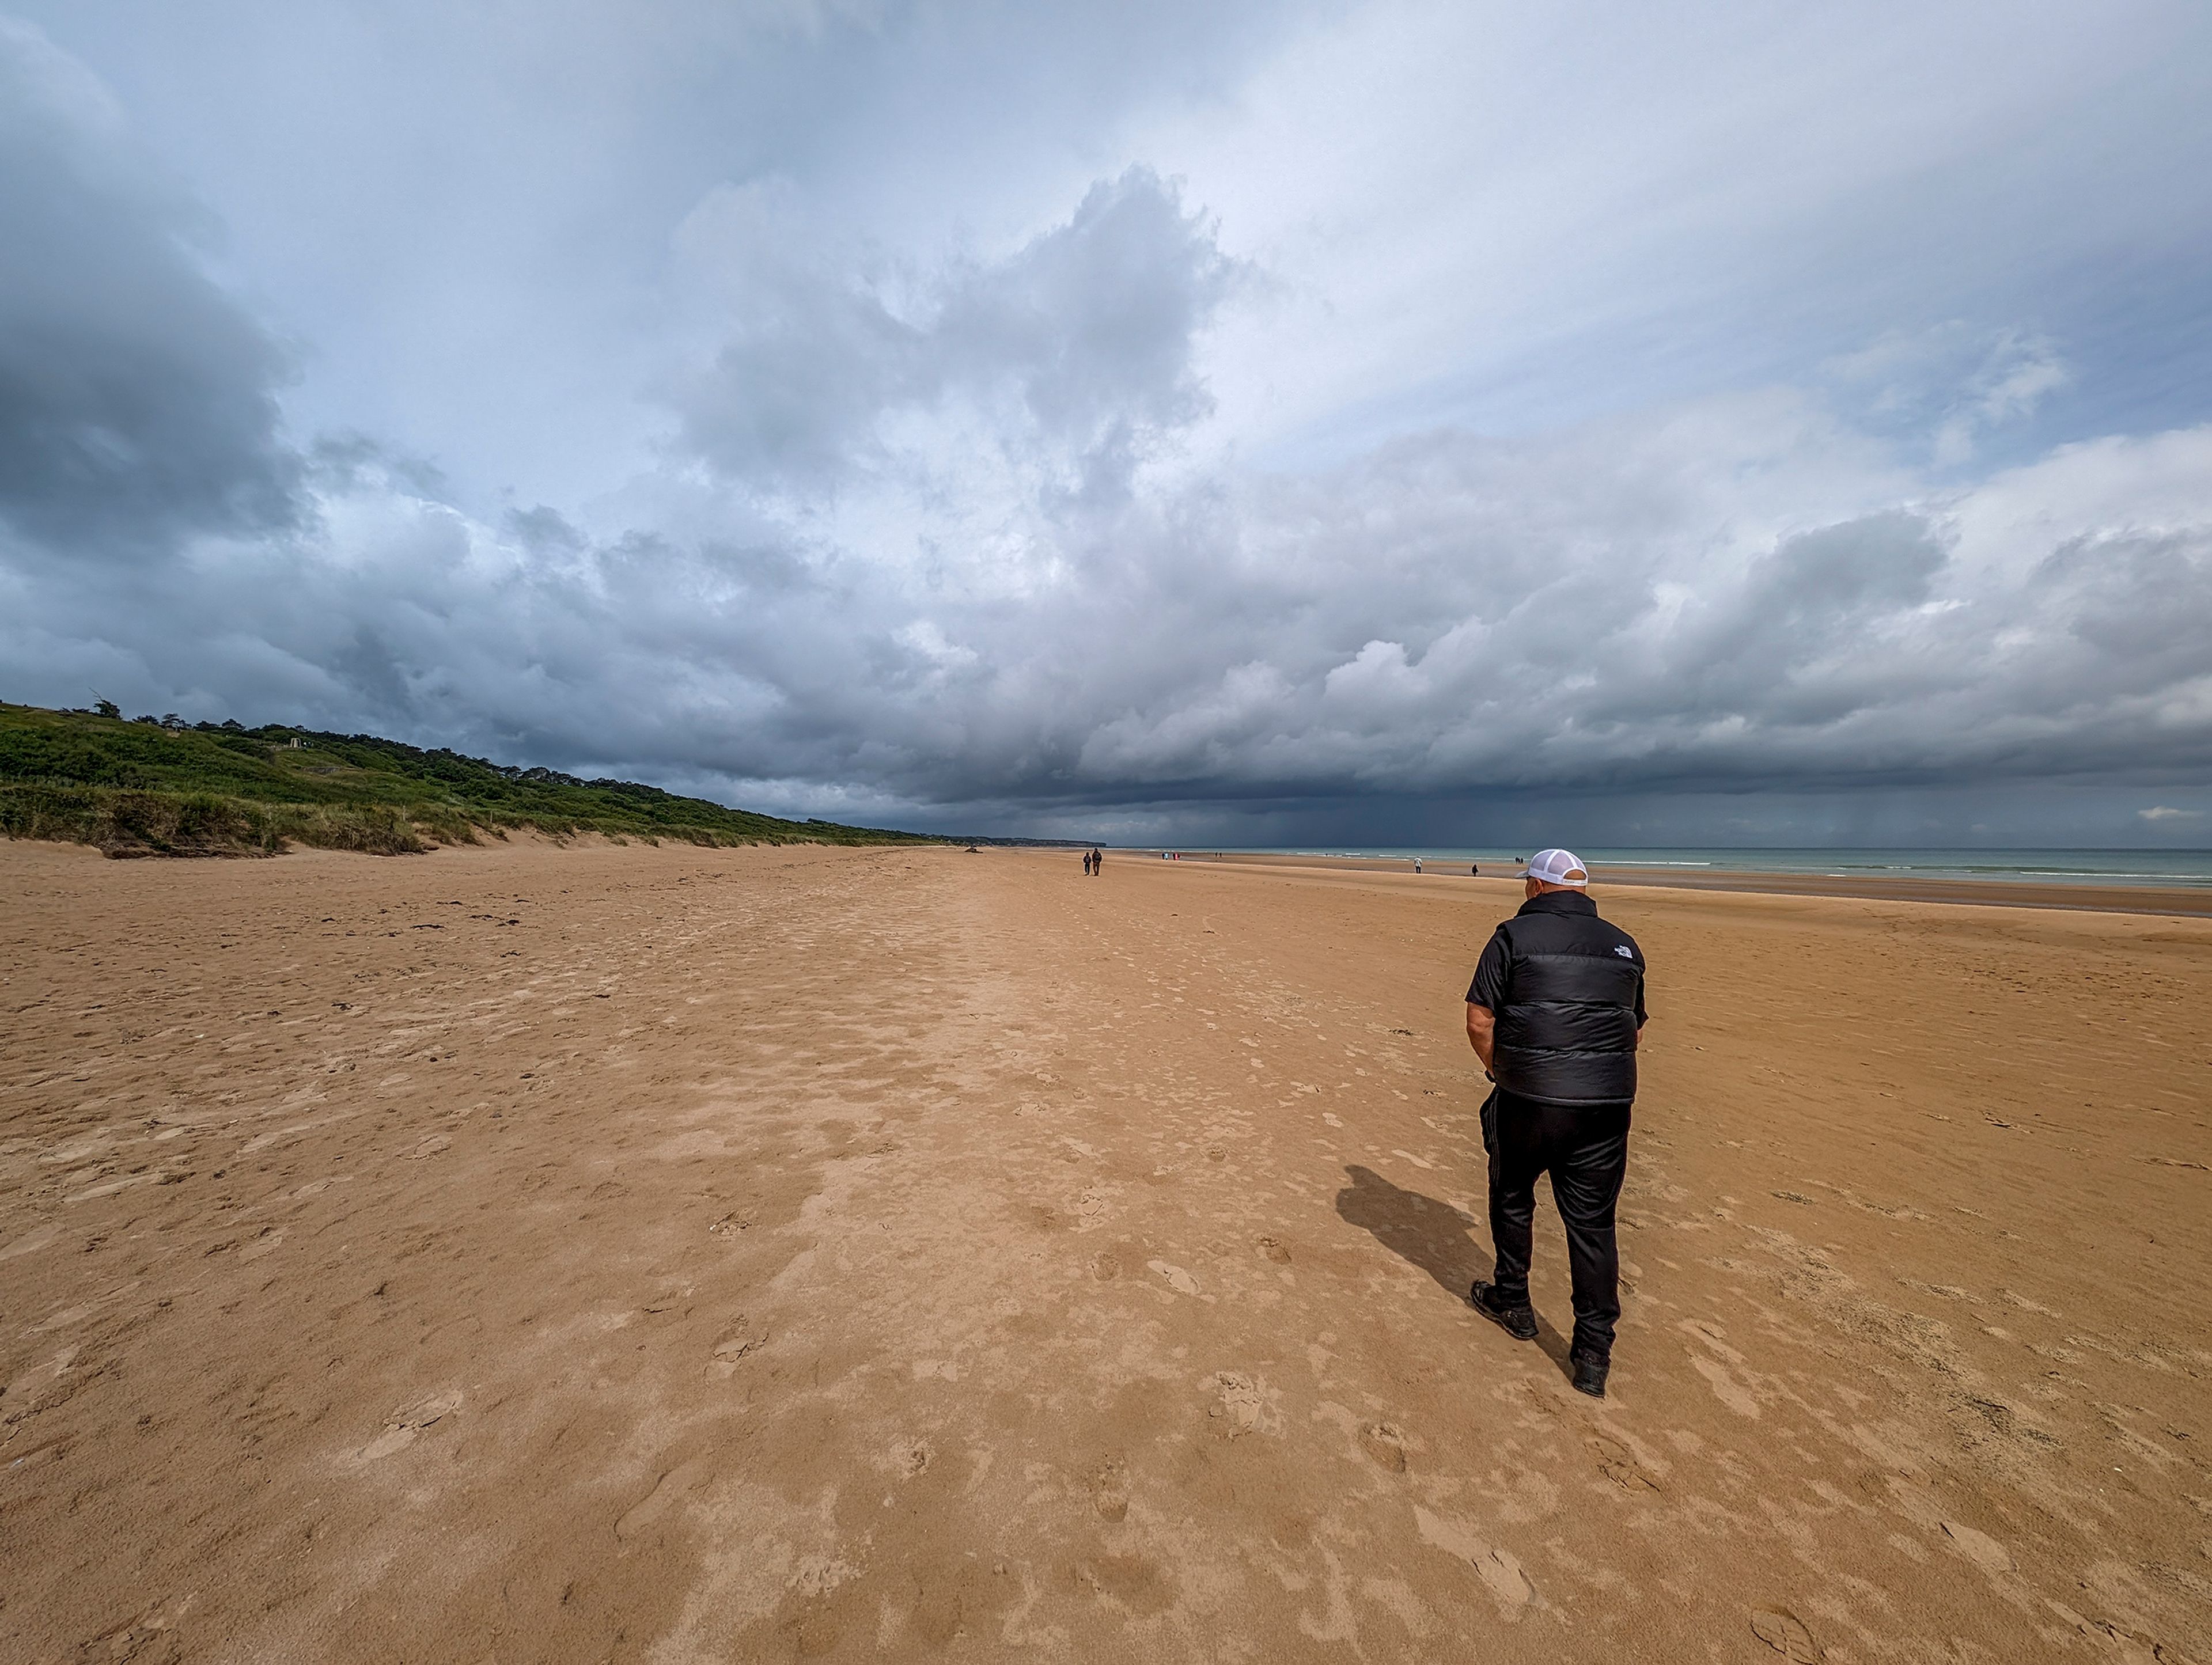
(1556, 867)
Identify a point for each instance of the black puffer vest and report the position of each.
(1566, 1029)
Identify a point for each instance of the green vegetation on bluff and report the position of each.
(142, 787)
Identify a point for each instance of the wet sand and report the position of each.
(527, 1254)
(2171, 900)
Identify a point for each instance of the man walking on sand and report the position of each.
(1555, 1012)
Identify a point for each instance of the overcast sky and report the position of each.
(1452, 423)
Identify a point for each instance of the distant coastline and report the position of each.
(2148, 882)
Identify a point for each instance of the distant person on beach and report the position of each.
(1555, 1014)
(1098, 861)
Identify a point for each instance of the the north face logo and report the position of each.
(1623, 950)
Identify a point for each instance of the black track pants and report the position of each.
(1585, 1150)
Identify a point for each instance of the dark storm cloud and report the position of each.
(137, 398)
(1884, 649)
(1248, 647)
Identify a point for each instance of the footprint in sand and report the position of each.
(1984, 1551)
(1243, 1405)
(1386, 1443)
(1786, 1634)
(409, 1420)
(149, 1627)
(1619, 1464)
(1273, 1249)
(744, 1338)
(1109, 1489)
(1129, 1581)
(668, 1490)
(1178, 1280)
(1498, 1568)
(1106, 1268)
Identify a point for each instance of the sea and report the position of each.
(2172, 869)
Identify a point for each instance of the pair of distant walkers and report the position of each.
(1555, 1014)
(1093, 860)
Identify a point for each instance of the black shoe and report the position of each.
(1519, 1323)
(1589, 1374)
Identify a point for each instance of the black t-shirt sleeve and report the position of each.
(1488, 988)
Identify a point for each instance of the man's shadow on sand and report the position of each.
(1433, 1235)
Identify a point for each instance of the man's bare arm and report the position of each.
(1481, 1031)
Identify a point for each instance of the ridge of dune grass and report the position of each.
(140, 787)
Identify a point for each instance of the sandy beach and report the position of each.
(527, 1254)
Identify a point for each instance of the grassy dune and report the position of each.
(139, 788)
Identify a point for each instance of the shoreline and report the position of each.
(2154, 901)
